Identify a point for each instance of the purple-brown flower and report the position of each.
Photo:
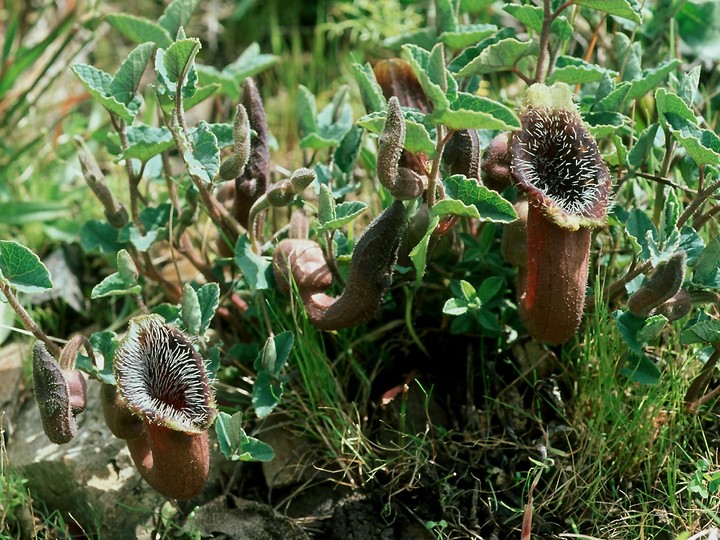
(556, 162)
(162, 380)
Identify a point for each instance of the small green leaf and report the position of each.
(455, 307)
(643, 147)
(418, 255)
(490, 204)
(122, 282)
(306, 111)
(275, 353)
(532, 17)
(139, 29)
(650, 79)
(467, 35)
(348, 150)
(235, 444)
(641, 369)
(177, 14)
(629, 325)
(270, 361)
(370, 91)
(417, 137)
(100, 235)
(145, 141)
(471, 53)
(469, 111)
(419, 60)
(22, 269)
(689, 85)
(571, 70)
(249, 63)
(602, 124)
(500, 56)
(454, 207)
(344, 213)
(614, 100)
(706, 272)
(446, 16)
(203, 159)
(208, 298)
(652, 328)
(642, 230)
(127, 78)
(702, 145)
(191, 314)
(98, 83)
(490, 287)
(175, 66)
(707, 331)
(326, 205)
(252, 265)
(627, 9)
(330, 126)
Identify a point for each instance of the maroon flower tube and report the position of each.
(556, 162)
(161, 379)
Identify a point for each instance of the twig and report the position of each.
(544, 39)
(442, 140)
(27, 321)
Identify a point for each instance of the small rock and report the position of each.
(249, 520)
(91, 480)
(290, 464)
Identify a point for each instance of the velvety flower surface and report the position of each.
(162, 377)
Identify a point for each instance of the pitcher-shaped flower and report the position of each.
(556, 162)
(161, 379)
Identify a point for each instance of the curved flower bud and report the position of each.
(664, 284)
(162, 380)
(401, 182)
(462, 153)
(235, 164)
(253, 181)
(370, 275)
(676, 307)
(555, 161)
(60, 394)
(495, 163)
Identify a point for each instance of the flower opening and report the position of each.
(162, 377)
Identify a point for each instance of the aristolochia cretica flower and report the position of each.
(162, 380)
(556, 162)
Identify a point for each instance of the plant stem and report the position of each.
(27, 321)
(331, 260)
(133, 179)
(544, 39)
(664, 170)
(442, 140)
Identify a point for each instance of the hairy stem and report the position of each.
(544, 40)
(27, 321)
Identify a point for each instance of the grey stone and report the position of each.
(244, 519)
(91, 480)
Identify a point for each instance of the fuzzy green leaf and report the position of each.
(146, 141)
(306, 111)
(98, 83)
(127, 78)
(370, 91)
(629, 325)
(203, 159)
(326, 205)
(100, 235)
(253, 266)
(532, 17)
(627, 9)
(455, 307)
(641, 369)
(332, 124)
(469, 111)
(22, 269)
(175, 66)
(707, 331)
(689, 84)
(642, 230)
(201, 94)
(177, 14)
(343, 214)
(706, 272)
(471, 53)
(454, 207)
(446, 15)
(467, 35)
(235, 444)
(417, 137)
(650, 79)
(490, 204)
(115, 285)
(573, 70)
(139, 29)
(652, 328)
(643, 146)
(420, 63)
(500, 56)
(418, 255)
(602, 124)
(702, 145)
(249, 63)
(209, 298)
(190, 310)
